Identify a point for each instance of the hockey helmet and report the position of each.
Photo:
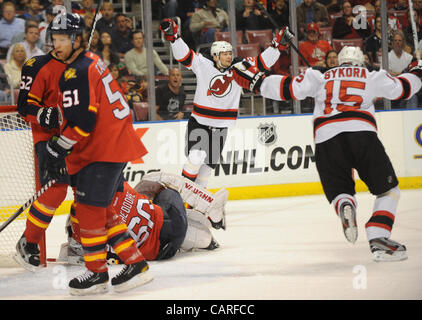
(351, 55)
(220, 46)
(71, 24)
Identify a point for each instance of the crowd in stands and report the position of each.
(324, 27)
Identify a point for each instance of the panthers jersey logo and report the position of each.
(220, 86)
(30, 62)
(70, 74)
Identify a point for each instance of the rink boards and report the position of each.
(273, 156)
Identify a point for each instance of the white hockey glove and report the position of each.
(416, 68)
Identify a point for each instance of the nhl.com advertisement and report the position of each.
(257, 151)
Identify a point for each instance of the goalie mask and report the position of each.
(351, 55)
(218, 47)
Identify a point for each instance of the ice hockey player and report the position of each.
(157, 219)
(216, 100)
(96, 141)
(37, 104)
(345, 133)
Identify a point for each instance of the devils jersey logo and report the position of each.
(220, 86)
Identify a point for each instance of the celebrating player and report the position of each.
(96, 141)
(162, 227)
(216, 100)
(37, 104)
(345, 133)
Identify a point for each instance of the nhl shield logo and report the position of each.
(267, 134)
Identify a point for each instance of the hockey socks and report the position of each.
(42, 211)
(384, 211)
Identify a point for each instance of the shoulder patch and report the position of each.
(69, 74)
(30, 62)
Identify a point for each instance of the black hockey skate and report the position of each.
(89, 283)
(27, 255)
(131, 276)
(213, 245)
(385, 249)
(347, 214)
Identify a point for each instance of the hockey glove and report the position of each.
(416, 68)
(248, 76)
(48, 117)
(54, 165)
(170, 29)
(282, 39)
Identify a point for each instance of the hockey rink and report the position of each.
(273, 249)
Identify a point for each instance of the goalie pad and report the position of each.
(198, 235)
(200, 199)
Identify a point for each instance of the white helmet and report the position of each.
(220, 46)
(351, 55)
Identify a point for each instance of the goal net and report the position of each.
(17, 178)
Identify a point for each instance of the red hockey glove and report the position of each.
(416, 68)
(282, 39)
(170, 29)
(248, 76)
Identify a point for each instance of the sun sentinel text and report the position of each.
(209, 311)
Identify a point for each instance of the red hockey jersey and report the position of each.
(143, 218)
(97, 118)
(39, 88)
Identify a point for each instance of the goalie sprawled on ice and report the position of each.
(157, 219)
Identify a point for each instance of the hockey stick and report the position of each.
(414, 31)
(27, 204)
(262, 8)
(100, 4)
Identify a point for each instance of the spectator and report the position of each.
(314, 49)
(121, 34)
(93, 46)
(408, 32)
(207, 20)
(417, 6)
(170, 97)
(398, 59)
(373, 42)
(280, 13)
(348, 26)
(13, 67)
(393, 22)
(106, 50)
(331, 59)
(20, 37)
(186, 9)
(136, 58)
(4, 86)
(251, 17)
(106, 23)
(89, 21)
(10, 25)
(50, 13)
(32, 35)
(310, 11)
(84, 7)
(33, 10)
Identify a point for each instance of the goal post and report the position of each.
(17, 180)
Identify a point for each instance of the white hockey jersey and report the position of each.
(344, 96)
(216, 100)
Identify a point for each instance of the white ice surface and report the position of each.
(273, 249)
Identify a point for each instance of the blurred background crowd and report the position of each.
(323, 28)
